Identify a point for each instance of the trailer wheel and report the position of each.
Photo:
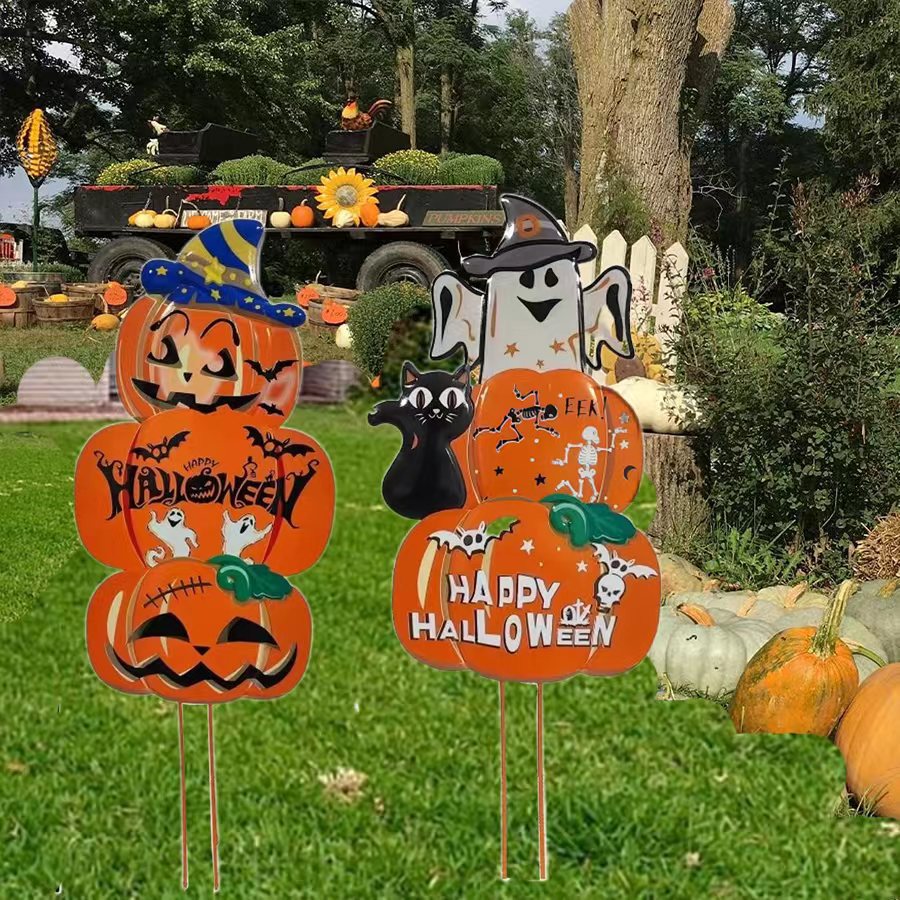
(122, 259)
(401, 261)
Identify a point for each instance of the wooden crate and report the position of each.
(345, 296)
(86, 291)
(330, 381)
(20, 314)
(61, 313)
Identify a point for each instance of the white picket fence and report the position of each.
(658, 280)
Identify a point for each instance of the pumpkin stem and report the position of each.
(794, 594)
(826, 636)
(697, 614)
(856, 647)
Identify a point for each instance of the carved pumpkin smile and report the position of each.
(150, 391)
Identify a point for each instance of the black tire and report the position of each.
(121, 260)
(401, 261)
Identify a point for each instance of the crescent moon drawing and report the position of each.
(628, 470)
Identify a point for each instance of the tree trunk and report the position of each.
(446, 109)
(407, 92)
(570, 192)
(645, 70)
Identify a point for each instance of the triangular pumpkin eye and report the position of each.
(243, 631)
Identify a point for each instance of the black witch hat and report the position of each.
(532, 238)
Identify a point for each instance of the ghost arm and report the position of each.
(606, 311)
(458, 312)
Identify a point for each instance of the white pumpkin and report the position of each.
(745, 604)
(280, 219)
(705, 650)
(660, 408)
(876, 604)
(343, 337)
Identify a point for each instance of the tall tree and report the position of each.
(645, 72)
(861, 98)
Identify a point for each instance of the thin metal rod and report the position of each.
(213, 805)
(184, 834)
(542, 796)
(504, 823)
(35, 222)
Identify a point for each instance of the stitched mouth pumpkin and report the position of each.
(535, 434)
(200, 632)
(172, 356)
(524, 591)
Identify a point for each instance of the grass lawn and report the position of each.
(20, 348)
(645, 799)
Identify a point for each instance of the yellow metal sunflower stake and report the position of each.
(36, 146)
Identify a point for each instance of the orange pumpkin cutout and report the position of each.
(503, 589)
(206, 359)
(8, 297)
(306, 294)
(302, 216)
(183, 484)
(115, 294)
(334, 313)
(200, 632)
(535, 434)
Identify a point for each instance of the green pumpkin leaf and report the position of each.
(587, 523)
(249, 581)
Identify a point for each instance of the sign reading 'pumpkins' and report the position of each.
(207, 501)
(523, 567)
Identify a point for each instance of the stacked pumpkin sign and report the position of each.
(207, 501)
(523, 566)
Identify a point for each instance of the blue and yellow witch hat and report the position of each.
(219, 267)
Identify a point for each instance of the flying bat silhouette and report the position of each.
(161, 451)
(275, 448)
(273, 410)
(273, 373)
(470, 541)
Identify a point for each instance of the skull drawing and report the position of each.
(610, 587)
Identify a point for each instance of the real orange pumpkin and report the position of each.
(115, 294)
(8, 296)
(368, 215)
(307, 294)
(302, 216)
(334, 313)
(198, 221)
(801, 681)
(869, 738)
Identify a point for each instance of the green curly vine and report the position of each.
(587, 523)
(249, 581)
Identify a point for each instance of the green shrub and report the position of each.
(742, 559)
(250, 170)
(410, 167)
(473, 169)
(146, 171)
(317, 169)
(800, 445)
(373, 317)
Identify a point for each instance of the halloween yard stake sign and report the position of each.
(207, 501)
(535, 575)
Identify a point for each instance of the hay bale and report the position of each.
(877, 555)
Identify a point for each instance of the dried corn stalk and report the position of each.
(36, 146)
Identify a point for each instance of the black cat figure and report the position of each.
(433, 410)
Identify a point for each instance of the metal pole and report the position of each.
(35, 221)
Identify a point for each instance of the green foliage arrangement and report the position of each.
(801, 445)
(312, 172)
(250, 170)
(410, 166)
(744, 559)
(145, 171)
(471, 169)
(374, 316)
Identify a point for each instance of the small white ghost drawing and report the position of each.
(610, 587)
(241, 533)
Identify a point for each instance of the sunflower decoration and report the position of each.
(347, 197)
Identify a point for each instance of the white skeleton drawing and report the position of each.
(173, 531)
(240, 533)
(610, 587)
(589, 451)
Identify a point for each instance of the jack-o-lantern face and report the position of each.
(535, 434)
(172, 356)
(201, 632)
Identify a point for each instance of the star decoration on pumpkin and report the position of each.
(214, 272)
(527, 547)
(624, 445)
(498, 470)
(540, 479)
(557, 346)
(540, 364)
(511, 350)
(624, 418)
(582, 566)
